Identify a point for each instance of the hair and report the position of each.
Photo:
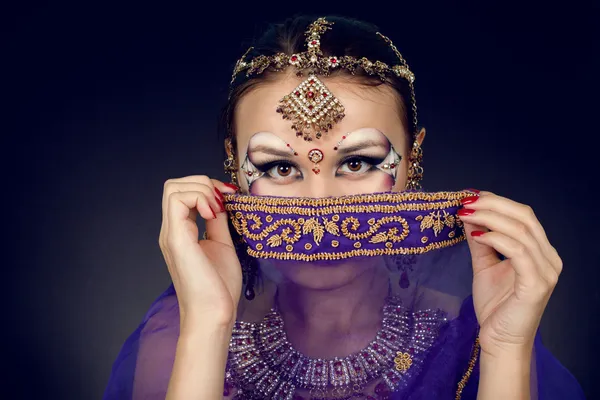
(348, 37)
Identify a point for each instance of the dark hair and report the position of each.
(348, 37)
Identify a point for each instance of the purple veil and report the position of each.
(413, 333)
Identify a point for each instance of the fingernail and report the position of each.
(477, 233)
(232, 186)
(219, 194)
(214, 215)
(465, 211)
(474, 190)
(469, 200)
(220, 203)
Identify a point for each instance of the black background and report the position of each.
(104, 102)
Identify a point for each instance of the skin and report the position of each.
(509, 295)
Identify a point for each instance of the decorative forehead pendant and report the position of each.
(316, 156)
(312, 108)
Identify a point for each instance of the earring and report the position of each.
(249, 268)
(230, 163)
(415, 170)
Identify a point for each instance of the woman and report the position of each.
(356, 283)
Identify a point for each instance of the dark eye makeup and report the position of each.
(355, 164)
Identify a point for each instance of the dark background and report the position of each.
(104, 102)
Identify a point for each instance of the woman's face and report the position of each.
(365, 152)
(279, 162)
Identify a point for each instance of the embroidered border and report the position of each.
(310, 229)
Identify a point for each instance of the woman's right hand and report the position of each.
(206, 273)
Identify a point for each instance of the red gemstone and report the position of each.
(312, 81)
(335, 148)
(248, 341)
(314, 42)
(310, 107)
(295, 153)
(333, 60)
(240, 342)
(324, 94)
(316, 171)
(375, 346)
(310, 95)
(343, 137)
(287, 144)
(297, 93)
(294, 58)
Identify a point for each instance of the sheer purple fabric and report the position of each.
(407, 257)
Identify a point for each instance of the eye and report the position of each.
(355, 165)
(281, 170)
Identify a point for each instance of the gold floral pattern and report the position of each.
(437, 222)
(403, 361)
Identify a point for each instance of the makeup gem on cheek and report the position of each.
(316, 156)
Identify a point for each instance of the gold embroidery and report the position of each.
(331, 227)
(308, 246)
(467, 374)
(355, 224)
(313, 225)
(325, 216)
(403, 361)
(352, 253)
(273, 241)
(437, 222)
(418, 218)
(321, 202)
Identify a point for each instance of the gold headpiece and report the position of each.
(312, 108)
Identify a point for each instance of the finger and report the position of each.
(218, 229)
(520, 212)
(520, 258)
(181, 214)
(515, 230)
(482, 255)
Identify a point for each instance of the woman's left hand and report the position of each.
(509, 295)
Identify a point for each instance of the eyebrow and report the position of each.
(261, 148)
(360, 146)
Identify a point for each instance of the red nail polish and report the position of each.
(465, 211)
(212, 211)
(469, 200)
(477, 233)
(474, 190)
(219, 194)
(232, 186)
(220, 203)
